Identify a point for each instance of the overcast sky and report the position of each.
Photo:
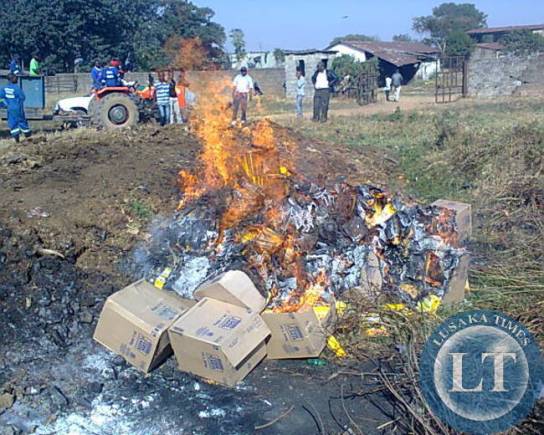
(300, 24)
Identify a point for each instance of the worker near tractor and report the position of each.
(242, 91)
(178, 104)
(162, 98)
(14, 98)
(15, 65)
(96, 75)
(35, 68)
(111, 76)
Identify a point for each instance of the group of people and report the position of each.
(34, 68)
(107, 76)
(394, 84)
(323, 80)
(170, 96)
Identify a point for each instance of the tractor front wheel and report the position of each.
(115, 111)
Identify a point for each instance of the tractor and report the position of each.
(108, 108)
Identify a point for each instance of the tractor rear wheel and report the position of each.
(114, 111)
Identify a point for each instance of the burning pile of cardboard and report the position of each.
(221, 337)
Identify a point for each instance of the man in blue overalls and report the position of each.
(14, 67)
(111, 77)
(14, 98)
(96, 75)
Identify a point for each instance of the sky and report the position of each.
(303, 24)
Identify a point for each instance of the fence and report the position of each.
(270, 80)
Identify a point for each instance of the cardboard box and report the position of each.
(301, 334)
(134, 323)
(463, 216)
(219, 341)
(233, 287)
(456, 288)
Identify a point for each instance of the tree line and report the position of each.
(145, 31)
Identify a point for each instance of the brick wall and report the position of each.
(492, 73)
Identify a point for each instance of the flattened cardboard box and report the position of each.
(233, 287)
(219, 341)
(301, 334)
(463, 216)
(134, 323)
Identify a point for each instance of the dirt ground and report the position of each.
(74, 204)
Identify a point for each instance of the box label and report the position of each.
(165, 311)
(228, 322)
(292, 333)
(212, 362)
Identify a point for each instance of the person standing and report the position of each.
(301, 84)
(397, 80)
(35, 68)
(162, 98)
(242, 91)
(175, 112)
(387, 89)
(324, 81)
(181, 89)
(14, 99)
(96, 75)
(15, 65)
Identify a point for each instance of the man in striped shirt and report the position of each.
(162, 97)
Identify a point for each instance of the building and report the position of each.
(494, 34)
(411, 58)
(256, 60)
(306, 61)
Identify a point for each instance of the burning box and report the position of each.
(301, 334)
(455, 292)
(463, 216)
(233, 287)
(219, 341)
(134, 323)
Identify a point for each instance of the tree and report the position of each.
(448, 18)
(353, 37)
(64, 30)
(459, 44)
(279, 56)
(523, 42)
(345, 65)
(239, 43)
(403, 37)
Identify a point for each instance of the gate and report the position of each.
(451, 79)
(366, 84)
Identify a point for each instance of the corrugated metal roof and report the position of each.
(396, 52)
(485, 30)
(490, 46)
(309, 51)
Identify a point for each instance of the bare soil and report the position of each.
(74, 204)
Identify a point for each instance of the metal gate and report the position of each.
(367, 86)
(451, 79)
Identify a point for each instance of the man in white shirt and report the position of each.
(387, 88)
(323, 80)
(242, 90)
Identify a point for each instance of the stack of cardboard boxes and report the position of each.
(221, 337)
(225, 333)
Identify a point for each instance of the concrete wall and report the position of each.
(492, 73)
(344, 49)
(310, 62)
(270, 80)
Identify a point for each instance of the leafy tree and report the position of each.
(239, 43)
(459, 44)
(523, 42)
(64, 30)
(279, 55)
(353, 37)
(345, 65)
(403, 37)
(448, 18)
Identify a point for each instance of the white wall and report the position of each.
(344, 49)
(427, 70)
